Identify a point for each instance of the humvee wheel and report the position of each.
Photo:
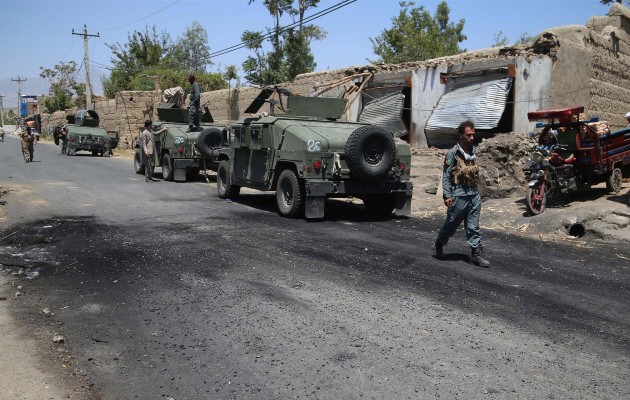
(614, 181)
(380, 204)
(94, 153)
(224, 182)
(137, 163)
(370, 153)
(167, 168)
(290, 195)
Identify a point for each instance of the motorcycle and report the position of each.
(547, 172)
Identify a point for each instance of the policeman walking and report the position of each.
(460, 178)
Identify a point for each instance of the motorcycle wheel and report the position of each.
(536, 199)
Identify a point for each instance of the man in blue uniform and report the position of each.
(194, 104)
(460, 178)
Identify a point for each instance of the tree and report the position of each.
(606, 2)
(64, 91)
(290, 52)
(150, 60)
(231, 73)
(416, 36)
(144, 49)
(191, 51)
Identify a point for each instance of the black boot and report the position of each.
(476, 257)
(438, 250)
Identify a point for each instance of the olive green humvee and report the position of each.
(84, 134)
(307, 155)
(182, 154)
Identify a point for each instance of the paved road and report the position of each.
(163, 290)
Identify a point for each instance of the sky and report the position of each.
(38, 33)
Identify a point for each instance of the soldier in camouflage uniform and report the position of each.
(459, 181)
(28, 140)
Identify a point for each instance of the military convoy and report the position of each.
(84, 134)
(305, 154)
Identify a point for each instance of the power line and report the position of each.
(141, 19)
(284, 28)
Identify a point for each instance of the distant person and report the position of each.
(147, 140)
(2, 134)
(28, 141)
(62, 135)
(460, 177)
(194, 104)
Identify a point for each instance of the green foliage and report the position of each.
(606, 2)
(144, 49)
(298, 61)
(151, 61)
(524, 38)
(416, 36)
(231, 72)
(290, 53)
(64, 91)
(500, 40)
(191, 51)
(9, 117)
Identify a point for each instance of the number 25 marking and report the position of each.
(314, 145)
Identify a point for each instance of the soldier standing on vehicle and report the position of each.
(194, 104)
(460, 178)
(147, 140)
(28, 141)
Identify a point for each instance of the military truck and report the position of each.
(307, 155)
(181, 153)
(84, 134)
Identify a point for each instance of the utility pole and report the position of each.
(1, 112)
(19, 81)
(88, 86)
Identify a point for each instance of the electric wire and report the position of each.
(141, 19)
(285, 28)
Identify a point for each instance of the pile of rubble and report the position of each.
(501, 160)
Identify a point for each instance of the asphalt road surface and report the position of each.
(164, 291)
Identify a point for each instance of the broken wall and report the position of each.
(609, 47)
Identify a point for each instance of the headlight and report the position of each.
(541, 173)
(537, 157)
(179, 140)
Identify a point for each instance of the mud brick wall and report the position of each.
(609, 46)
(132, 108)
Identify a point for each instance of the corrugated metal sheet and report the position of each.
(383, 107)
(480, 99)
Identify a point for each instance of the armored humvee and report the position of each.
(181, 153)
(306, 156)
(84, 134)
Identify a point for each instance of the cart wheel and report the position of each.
(613, 183)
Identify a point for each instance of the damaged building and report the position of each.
(496, 87)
